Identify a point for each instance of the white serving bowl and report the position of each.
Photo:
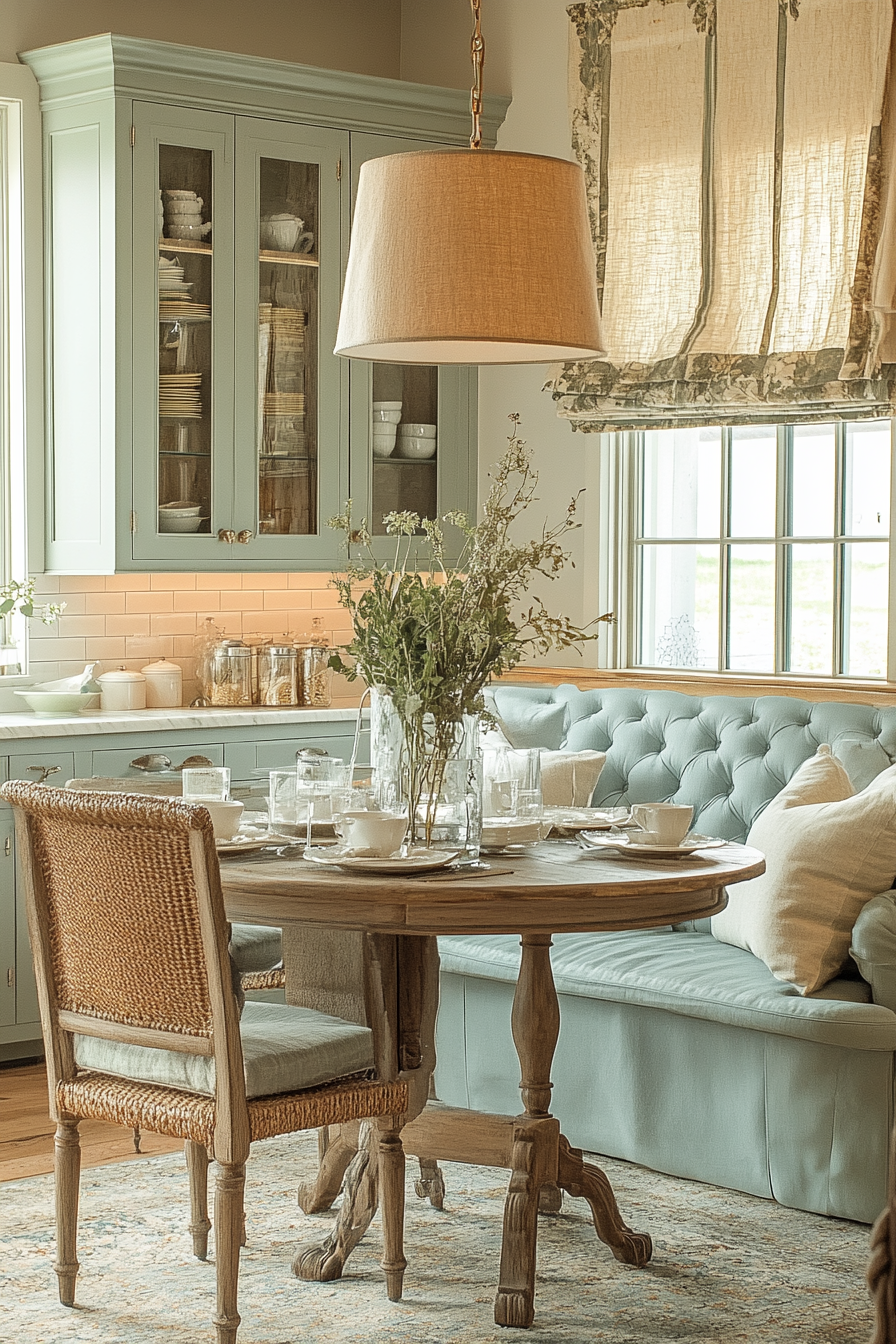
(418, 449)
(180, 508)
(415, 430)
(386, 417)
(46, 703)
(191, 523)
(388, 405)
(383, 447)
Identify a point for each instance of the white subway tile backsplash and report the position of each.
(131, 619)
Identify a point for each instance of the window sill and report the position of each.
(847, 690)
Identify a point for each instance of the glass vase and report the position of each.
(434, 767)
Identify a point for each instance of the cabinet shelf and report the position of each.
(287, 258)
(184, 245)
(168, 452)
(170, 319)
(405, 461)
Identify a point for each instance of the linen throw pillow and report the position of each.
(828, 851)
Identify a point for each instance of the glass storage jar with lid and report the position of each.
(317, 675)
(278, 675)
(231, 673)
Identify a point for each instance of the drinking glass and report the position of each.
(321, 780)
(512, 782)
(457, 815)
(210, 783)
(283, 804)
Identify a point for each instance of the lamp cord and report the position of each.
(477, 55)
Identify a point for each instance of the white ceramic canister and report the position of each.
(164, 685)
(123, 689)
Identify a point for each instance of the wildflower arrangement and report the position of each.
(432, 634)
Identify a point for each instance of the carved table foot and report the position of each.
(431, 1183)
(325, 1262)
(317, 1195)
(585, 1181)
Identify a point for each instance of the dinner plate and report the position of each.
(569, 820)
(243, 845)
(629, 848)
(418, 861)
(500, 834)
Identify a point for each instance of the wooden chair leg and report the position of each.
(391, 1163)
(68, 1181)
(230, 1183)
(197, 1167)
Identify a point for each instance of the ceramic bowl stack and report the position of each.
(386, 415)
(181, 515)
(183, 215)
(416, 441)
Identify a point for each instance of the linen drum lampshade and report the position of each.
(470, 257)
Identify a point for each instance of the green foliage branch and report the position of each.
(432, 634)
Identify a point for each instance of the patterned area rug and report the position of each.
(726, 1267)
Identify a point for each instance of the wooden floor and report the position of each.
(26, 1131)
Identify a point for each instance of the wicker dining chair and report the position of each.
(256, 952)
(142, 1027)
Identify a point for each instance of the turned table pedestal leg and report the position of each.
(541, 1156)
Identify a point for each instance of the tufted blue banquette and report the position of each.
(676, 1051)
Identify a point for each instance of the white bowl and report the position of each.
(388, 405)
(383, 447)
(191, 523)
(47, 703)
(386, 417)
(413, 429)
(180, 508)
(418, 449)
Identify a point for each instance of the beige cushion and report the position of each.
(285, 1049)
(828, 851)
(569, 778)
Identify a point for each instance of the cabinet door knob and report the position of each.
(245, 536)
(227, 534)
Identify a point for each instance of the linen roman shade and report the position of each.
(738, 157)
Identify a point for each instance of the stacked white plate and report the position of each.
(180, 396)
(284, 403)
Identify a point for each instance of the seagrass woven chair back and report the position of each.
(126, 917)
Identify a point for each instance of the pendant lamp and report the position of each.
(470, 256)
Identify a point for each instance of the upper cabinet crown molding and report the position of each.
(232, 82)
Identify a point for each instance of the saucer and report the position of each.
(629, 848)
(569, 820)
(417, 861)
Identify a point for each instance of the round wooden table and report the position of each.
(383, 929)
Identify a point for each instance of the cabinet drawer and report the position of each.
(117, 762)
(245, 758)
(32, 764)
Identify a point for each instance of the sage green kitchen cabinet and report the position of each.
(8, 952)
(192, 365)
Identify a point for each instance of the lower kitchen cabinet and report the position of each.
(249, 749)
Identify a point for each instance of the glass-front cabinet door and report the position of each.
(290, 438)
(183, 267)
(239, 456)
(412, 425)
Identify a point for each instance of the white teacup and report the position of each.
(662, 823)
(225, 816)
(376, 833)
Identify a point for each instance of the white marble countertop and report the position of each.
(160, 720)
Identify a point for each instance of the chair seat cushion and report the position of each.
(686, 973)
(255, 947)
(285, 1049)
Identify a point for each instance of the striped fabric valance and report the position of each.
(738, 159)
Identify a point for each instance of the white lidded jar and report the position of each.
(123, 689)
(164, 684)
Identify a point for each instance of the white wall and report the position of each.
(526, 56)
